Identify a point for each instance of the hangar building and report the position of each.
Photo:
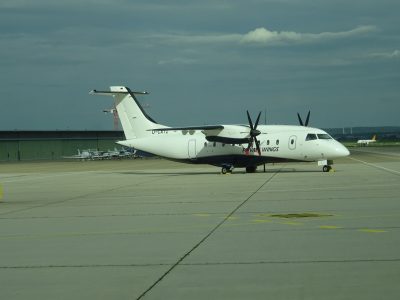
(53, 145)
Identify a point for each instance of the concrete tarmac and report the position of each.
(153, 229)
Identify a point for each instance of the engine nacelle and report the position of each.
(231, 134)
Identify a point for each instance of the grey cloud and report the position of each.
(266, 37)
(178, 60)
(387, 55)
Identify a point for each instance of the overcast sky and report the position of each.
(203, 62)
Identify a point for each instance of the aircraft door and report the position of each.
(292, 142)
(192, 149)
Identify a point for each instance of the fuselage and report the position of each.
(278, 143)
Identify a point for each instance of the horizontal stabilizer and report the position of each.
(108, 93)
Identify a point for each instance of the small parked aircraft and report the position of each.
(226, 146)
(366, 142)
(82, 155)
(94, 154)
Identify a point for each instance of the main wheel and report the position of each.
(224, 170)
(251, 169)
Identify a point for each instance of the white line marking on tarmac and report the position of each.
(376, 166)
(393, 154)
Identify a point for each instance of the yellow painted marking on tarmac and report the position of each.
(263, 215)
(262, 221)
(1, 192)
(291, 223)
(329, 227)
(202, 215)
(372, 230)
(232, 218)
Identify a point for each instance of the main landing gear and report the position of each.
(227, 169)
(251, 169)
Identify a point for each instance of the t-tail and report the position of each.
(135, 121)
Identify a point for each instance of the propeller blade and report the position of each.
(250, 122)
(300, 120)
(258, 146)
(308, 119)
(253, 133)
(247, 150)
(258, 119)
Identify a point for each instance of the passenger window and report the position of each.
(277, 142)
(214, 144)
(311, 137)
(292, 141)
(267, 142)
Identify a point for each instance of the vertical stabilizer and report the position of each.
(135, 121)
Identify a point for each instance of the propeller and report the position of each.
(301, 121)
(253, 133)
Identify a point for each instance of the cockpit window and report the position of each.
(311, 137)
(324, 136)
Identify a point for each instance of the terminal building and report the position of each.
(54, 145)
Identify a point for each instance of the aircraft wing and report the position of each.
(228, 134)
(189, 128)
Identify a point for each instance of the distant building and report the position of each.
(352, 134)
(53, 145)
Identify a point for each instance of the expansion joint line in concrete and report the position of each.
(207, 236)
(77, 197)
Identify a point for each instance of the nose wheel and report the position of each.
(326, 165)
(326, 168)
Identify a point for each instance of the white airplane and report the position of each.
(367, 142)
(82, 155)
(225, 146)
(123, 153)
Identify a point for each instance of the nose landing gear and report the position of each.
(326, 168)
(326, 165)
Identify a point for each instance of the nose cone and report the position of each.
(335, 150)
(341, 151)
